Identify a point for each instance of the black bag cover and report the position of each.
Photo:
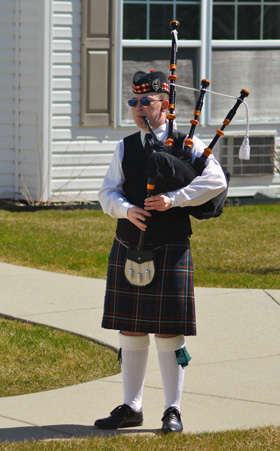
(174, 171)
(214, 207)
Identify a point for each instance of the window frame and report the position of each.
(201, 45)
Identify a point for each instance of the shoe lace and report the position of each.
(120, 408)
(171, 411)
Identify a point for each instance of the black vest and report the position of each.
(163, 227)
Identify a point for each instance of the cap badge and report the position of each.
(156, 84)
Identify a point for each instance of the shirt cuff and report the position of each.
(125, 207)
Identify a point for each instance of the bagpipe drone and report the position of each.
(175, 166)
(170, 168)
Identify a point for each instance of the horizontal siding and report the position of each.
(63, 83)
(30, 91)
(7, 143)
(64, 7)
(75, 185)
(7, 168)
(19, 106)
(6, 131)
(80, 157)
(26, 143)
(81, 146)
(7, 93)
(65, 96)
(66, 45)
(7, 118)
(79, 171)
(66, 19)
(81, 160)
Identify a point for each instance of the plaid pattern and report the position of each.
(146, 88)
(165, 306)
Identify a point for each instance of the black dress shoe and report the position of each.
(171, 421)
(121, 417)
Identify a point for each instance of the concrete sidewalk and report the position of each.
(232, 381)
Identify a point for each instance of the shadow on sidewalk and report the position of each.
(63, 431)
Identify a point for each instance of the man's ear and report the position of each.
(165, 105)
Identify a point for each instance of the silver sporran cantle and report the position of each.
(139, 266)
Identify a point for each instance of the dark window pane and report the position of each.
(271, 26)
(189, 18)
(160, 17)
(249, 22)
(134, 22)
(223, 22)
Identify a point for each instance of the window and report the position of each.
(246, 19)
(255, 69)
(236, 65)
(151, 18)
(260, 158)
(245, 53)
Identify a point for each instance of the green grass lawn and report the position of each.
(240, 249)
(35, 358)
(259, 439)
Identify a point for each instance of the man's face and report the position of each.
(155, 112)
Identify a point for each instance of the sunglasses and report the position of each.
(143, 102)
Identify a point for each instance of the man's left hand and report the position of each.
(161, 202)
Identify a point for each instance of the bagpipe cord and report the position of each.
(244, 151)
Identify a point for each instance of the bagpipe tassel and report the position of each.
(244, 151)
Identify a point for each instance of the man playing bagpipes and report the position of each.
(164, 306)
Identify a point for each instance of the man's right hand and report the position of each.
(138, 216)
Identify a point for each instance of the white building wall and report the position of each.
(80, 156)
(7, 92)
(20, 50)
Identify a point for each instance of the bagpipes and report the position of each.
(169, 168)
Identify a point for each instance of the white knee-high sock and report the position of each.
(172, 374)
(135, 350)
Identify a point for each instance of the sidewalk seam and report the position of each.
(271, 297)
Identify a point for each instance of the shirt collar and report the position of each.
(160, 133)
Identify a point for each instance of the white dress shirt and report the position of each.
(202, 188)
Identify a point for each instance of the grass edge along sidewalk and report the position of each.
(257, 439)
(239, 249)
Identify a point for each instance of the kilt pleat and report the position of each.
(165, 306)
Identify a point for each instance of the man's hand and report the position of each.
(161, 202)
(138, 216)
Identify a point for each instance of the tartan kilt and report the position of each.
(165, 306)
